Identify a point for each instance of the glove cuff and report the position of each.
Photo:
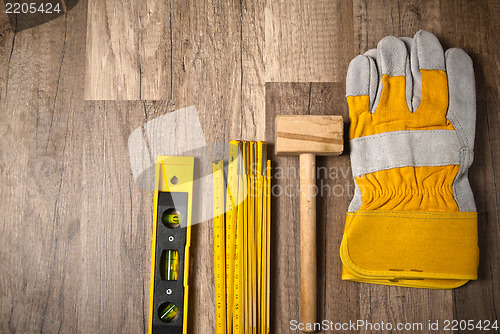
(417, 249)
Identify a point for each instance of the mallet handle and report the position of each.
(308, 281)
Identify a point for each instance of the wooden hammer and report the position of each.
(308, 136)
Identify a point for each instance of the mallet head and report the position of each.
(314, 134)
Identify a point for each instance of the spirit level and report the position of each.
(171, 239)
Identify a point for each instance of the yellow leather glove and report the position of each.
(412, 221)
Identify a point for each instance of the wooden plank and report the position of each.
(206, 74)
(480, 300)
(207, 65)
(333, 178)
(211, 61)
(373, 20)
(305, 40)
(112, 68)
(6, 46)
(40, 154)
(340, 300)
(285, 234)
(155, 49)
(253, 71)
(462, 15)
(128, 50)
(115, 218)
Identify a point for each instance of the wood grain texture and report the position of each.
(317, 134)
(40, 175)
(304, 40)
(373, 20)
(253, 70)
(335, 187)
(481, 299)
(75, 230)
(285, 262)
(129, 50)
(308, 246)
(166, 51)
(339, 302)
(207, 74)
(115, 236)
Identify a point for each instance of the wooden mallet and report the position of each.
(308, 136)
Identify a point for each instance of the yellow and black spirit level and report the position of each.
(171, 239)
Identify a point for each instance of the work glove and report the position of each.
(412, 220)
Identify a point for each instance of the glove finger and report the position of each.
(462, 114)
(358, 76)
(375, 79)
(362, 78)
(430, 92)
(417, 78)
(462, 95)
(359, 79)
(429, 51)
(372, 53)
(392, 58)
(409, 78)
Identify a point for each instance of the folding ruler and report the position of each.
(241, 239)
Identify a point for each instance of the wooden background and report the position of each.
(75, 230)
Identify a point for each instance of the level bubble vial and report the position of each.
(168, 312)
(169, 265)
(171, 218)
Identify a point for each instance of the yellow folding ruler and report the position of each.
(242, 239)
(171, 239)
